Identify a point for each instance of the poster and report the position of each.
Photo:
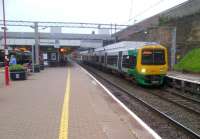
(53, 56)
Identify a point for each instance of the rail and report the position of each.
(185, 129)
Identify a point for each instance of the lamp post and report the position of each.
(173, 48)
(5, 47)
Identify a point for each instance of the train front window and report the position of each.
(153, 57)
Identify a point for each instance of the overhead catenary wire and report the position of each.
(146, 10)
(131, 9)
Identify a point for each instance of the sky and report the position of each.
(92, 11)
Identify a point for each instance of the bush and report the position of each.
(16, 67)
(191, 62)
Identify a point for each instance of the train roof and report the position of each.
(99, 49)
(128, 45)
(123, 46)
(84, 52)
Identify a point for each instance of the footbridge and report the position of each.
(51, 33)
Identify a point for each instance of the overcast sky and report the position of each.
(95, 11)
(99, 11)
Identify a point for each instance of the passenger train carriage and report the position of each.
(146, 62)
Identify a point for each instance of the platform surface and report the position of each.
(32, 109)
(1, 77)
(184, 76)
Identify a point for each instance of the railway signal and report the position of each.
(62, 50)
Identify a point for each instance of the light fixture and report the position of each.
(143, 70)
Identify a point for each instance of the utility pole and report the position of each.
(33, 58)
(5, 48)
(173, 48)
(36, 44)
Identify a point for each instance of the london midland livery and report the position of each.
(146, 62)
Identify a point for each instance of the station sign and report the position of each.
(57, 44)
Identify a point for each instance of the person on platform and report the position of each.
(13, 60)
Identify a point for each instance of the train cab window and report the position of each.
(153, 57)
(132, 60)
(129, 61)
(159, 57)
(112, 60)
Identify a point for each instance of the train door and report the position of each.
(105, 59)
(119, 61)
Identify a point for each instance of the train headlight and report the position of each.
(143, 70)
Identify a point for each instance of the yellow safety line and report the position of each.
(63, 132)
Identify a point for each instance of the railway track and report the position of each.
(182, 101)
(165, 116)
(190, 97)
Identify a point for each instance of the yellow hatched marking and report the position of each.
(63, 132)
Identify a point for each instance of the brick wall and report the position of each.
(185, 17)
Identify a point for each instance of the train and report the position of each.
(145, 62)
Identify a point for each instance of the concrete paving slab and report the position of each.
(94, 114)
(1, 78)
(31, 109)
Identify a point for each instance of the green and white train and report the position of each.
(146, 62)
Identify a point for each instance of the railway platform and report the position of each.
(195, 78)
(184, 82)
(1, 77)
(65, 103)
